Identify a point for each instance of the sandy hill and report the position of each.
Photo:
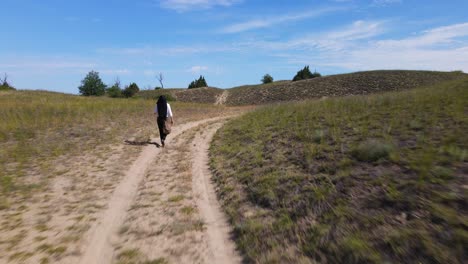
(334, 85)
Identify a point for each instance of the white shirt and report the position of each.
(169, 111)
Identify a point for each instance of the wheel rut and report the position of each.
(212, 242)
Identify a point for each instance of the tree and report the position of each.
(131, 90)
(4, 85)
(115, 91)
(201, 82)
(92, 85)
(160, 78)
(267, 78)
(305, 74)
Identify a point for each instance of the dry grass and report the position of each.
(205, 95)
(362, 179)
(61, 156)
(334, 85)
(37, 127)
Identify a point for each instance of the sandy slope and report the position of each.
(222, 98)
(155, 214)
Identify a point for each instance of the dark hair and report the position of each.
(162, 106)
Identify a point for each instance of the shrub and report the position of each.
(131, 90)
(201, 82)
(371, 150)
(4, 85)
(305, 74)
(267, 79)
(92, 85)
(115, 91)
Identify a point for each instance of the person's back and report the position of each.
(164, 117)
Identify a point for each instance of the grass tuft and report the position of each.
(372, 150)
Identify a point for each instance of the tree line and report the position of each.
(302, 74)
(92, 84)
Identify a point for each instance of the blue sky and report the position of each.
(53, 44)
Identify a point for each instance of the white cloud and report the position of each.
(148, 51)
(429, 38)
(187, 5)
(270, 21)
(197, 69)
(442, 48)
(334, 40)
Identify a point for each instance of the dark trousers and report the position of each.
(161, 121)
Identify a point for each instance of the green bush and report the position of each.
(371, 150)
(92, 85)
(267, 79)
(201, 82)
(131, 90)
(115, 91)
(305, 74)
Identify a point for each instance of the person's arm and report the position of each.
(169, 113)
(156, 111)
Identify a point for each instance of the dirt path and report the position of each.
(154, 214)
(221, 247)
(221, 100)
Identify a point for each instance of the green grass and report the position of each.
(361, 179)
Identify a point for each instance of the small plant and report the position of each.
(372, 150)
(267, 79)
(4, 85)
(176, 198)
(129, 256)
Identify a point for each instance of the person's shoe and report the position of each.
(162, 143)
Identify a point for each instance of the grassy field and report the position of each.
(39, 127)
(360, 179)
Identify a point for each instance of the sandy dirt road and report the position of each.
(165, 208)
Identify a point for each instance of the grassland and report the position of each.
(37, 127)
(360, 179)
(61, 157)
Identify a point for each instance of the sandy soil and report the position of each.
(126, 204)
(111, 239)
(221, 100)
